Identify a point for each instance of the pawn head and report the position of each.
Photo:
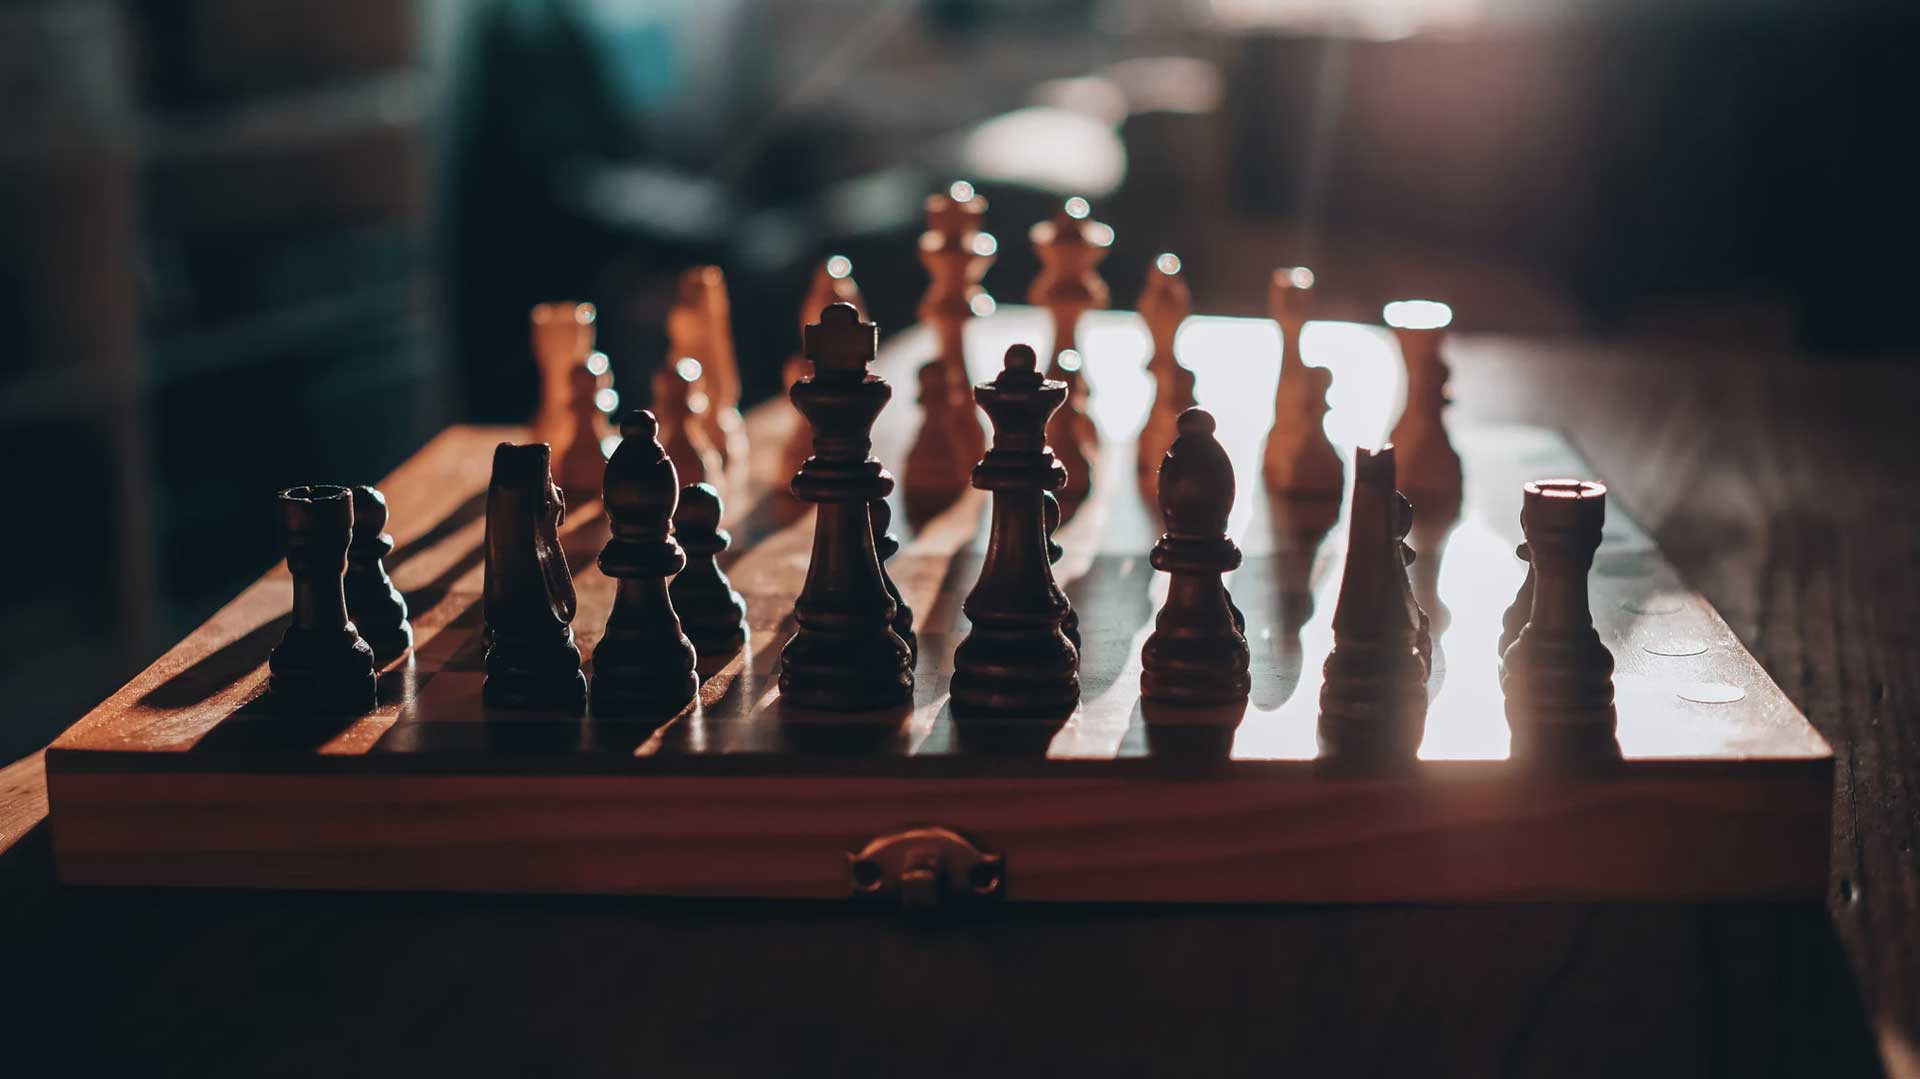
(369, 511)
(700, 509)
(639, 425)
(1021, 359)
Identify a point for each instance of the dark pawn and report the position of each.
(1197, 653)
(376, 606)
(1016, 663)
(643, 665)
(711, 612)
(1070, 625)
(844, 655)
(885, 546)
(1373, 702)
(532, 663)
(1522, 606)
(1557, 675)
(321, 664)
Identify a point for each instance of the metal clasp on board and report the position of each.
(924, 868)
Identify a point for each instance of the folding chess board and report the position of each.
(1722, 790)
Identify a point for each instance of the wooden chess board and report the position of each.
(1723, 790)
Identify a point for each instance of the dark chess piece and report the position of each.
(1017, 663)
(844, 655)
(1373, 702)
(643, 665)
(712, 614)
(1517, 612)
(375, 605)
(1050, 507)
(885, 546)
(1557, 675)
(532, 663)
(321, 664)
(1198, 652)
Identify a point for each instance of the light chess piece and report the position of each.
(1070, 248)
(1164, 305)
(1300, 461)
(1429, 467)
(699, 326)
(576, 393)
(678, 408)
(956, 254)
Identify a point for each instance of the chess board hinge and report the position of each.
(923, 869)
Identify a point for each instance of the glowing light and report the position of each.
(960, 191)
(1168, 263)
(584, 314)
(609, 444)
(597, 363)
(1068, 360)
(839, 267)
(1298, 276)
(1099, 234)
(1078, 209)
(606, 400)
(1418, 315)
(982, 304)
(687, 368)
(984, 244)
(1050, 149)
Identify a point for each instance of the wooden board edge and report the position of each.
(1103, 840)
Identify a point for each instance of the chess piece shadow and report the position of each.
(1010, 736)
(841, 733)
(222, 668)
(1299, 528)
(465, 514)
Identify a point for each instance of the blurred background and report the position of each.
(246, 244)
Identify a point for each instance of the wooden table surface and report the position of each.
(1776, 486)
